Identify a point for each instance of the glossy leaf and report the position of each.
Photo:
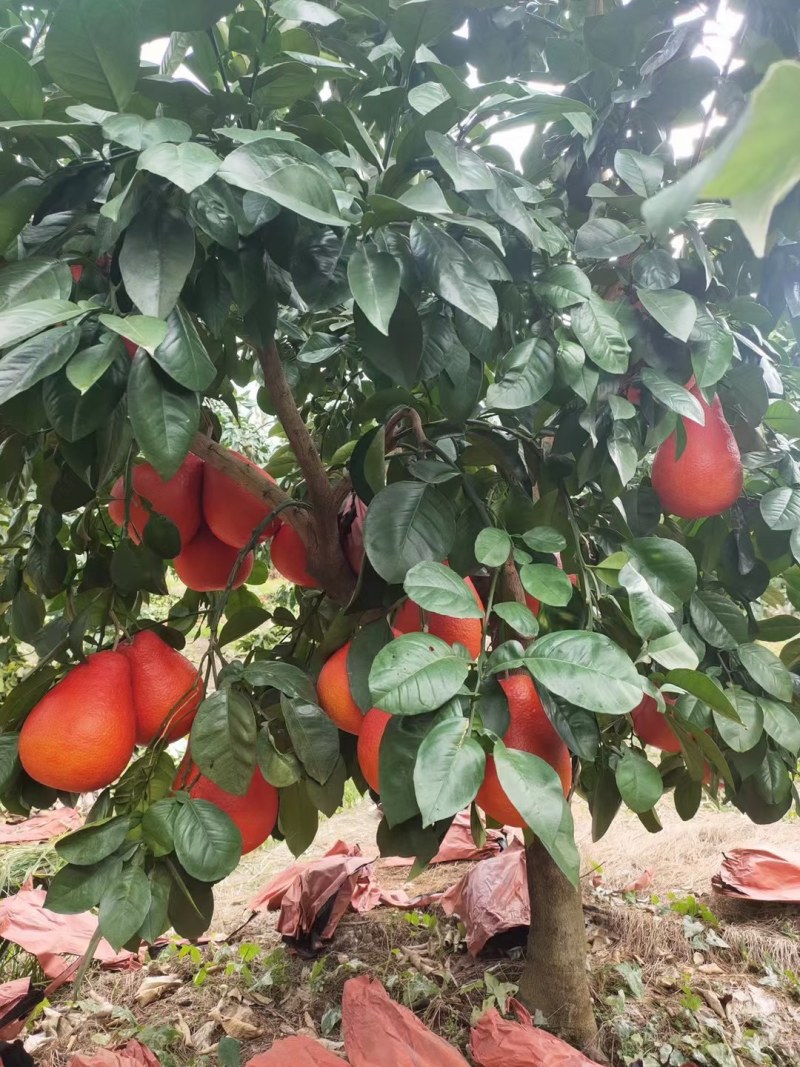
(207, 841)
(451, 273)
(374, 279)
(439, 589)
(92, 52)
(448, 771)
(407, 523)
(223, 740)
(416, 673)
(586, 669)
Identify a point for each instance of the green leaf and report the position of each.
(92, 52)
(408, 522)
(544, 539)
(492, 547)
(605, 239)
(164, 416)
(364, 647)
(17, 204)
(145, 331)
(601, 335)
(140, 133)
(518, 617)
(298, 819)
(24, 320)
(306, 11)
(185, 165)
(156, 921)
(546, 583)
(711, 359)
(524, 376)
(74, 416)
(158, 826)
(263, 167)
(655, 269)
(586, 669)
(638, 781)
(374, 279)
(668, 568)
(451, 273)
(641, 173)
(754, 167)
(182, 354)
(437, 588)
(223, 740)
(534, 788)
(156, 257)
(36, 359)
(208, 843)
(780, 508)
(651, 616)
(20, 91)
(448, 771)
(159, 18)
(137, 567)
(418, 22)
(673, 396)
(672, 309)
(90, 364)
(465, 168)
(743, 735)
(563, 286)
(77, 889)
(766, 670)
(124, 906)
(416, 673)
(36, 278)
(280, 769)
(284, 677)
(701, 686)
(314, 736)
(398, 754)
(9, 760)
(717, 619)
(247, 619)
(399, 355)
(93, 842)
(781, 724)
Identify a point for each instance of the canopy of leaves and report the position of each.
(485, 348)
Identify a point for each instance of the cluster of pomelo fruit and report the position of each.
(215, 517)
(82, 733)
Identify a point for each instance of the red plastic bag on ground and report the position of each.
(768, 874)
(320, 895)
(11, 993)
(26, 922)
(134, 1054)
(380, 1033)
(42, 827)
(269, 897)
(492, 897)
(499, 1042)
(295, 1052)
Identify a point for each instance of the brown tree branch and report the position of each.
(511, 591)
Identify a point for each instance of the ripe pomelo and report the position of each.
(206, 562)
(231, 512)
(255, 813)
(707, 478)
(534, 604)
(530, 730)
(289, 557)
(167, 688)
(369, 746)
(335, 696)
(467, 632)
(651, 725)
(179, 498)
(80, 736)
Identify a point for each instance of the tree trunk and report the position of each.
(555, 981)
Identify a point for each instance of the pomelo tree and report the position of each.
(305, 206)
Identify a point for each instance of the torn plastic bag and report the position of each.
(40, 828)
(381, 1033)
(295, 1052)
(768, 874)
(320, 894)
(133, 1054)
(492, 898)
(50, 937)
(499, 1042)
(458, 844)
(269, 897)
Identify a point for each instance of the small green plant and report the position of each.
(691, 906)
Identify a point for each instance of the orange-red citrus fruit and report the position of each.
(80, 736)
(167, 688)
(335, 695)
(707, 478)
(206, 562)
(289, 557)
(255, 813)
(467, 632)
(369, 746)
(530, 730)
(651, 726)
(231, 512)
(178, 498)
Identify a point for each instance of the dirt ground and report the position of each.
(679, 975)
